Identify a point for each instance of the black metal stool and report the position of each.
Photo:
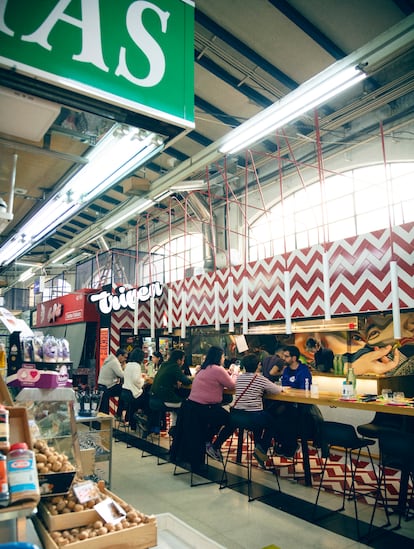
(396, 452)
(344, 437)
(381, 422)
(243, 433)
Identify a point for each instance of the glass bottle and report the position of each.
(350, 377)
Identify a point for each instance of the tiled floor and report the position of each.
(227, 517)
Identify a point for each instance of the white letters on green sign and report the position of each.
(147, 44)
(91, 44)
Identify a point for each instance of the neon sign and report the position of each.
(125, 299)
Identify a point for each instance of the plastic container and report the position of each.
(4, 486)
(22, 473)
(4, 430)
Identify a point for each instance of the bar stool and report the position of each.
(381, 422)
(153, 430)
(122, 426)
(345, 437)
(244, 434)
(188, 449)
(396, 452)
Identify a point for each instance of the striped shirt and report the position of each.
(252, 399)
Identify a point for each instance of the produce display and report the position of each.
(116, 515)
(48, 460)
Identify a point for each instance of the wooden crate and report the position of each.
(19, 425)
(142, 536)
(66, 521)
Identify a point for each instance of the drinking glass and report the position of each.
(386, 394)
(398, 396)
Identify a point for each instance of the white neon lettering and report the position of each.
(91, 48)
(146, 43)
(125, 299)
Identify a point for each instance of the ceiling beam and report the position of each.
(307, 27)
(243, 49)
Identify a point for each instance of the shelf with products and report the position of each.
(365, 384)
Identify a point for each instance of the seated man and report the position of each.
(110, 375)
(287, 414)
(164, 389)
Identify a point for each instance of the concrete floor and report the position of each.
(228, 519)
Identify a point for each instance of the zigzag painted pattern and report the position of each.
(359, 272)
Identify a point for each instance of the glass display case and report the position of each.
(95, 442)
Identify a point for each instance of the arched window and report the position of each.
(355, 202)
(174, 260)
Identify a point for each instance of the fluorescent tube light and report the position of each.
(118, 154)
(128, 213)
(306, 97)
(322, 87)
(26, 275)
(63, 255)
(189, 185)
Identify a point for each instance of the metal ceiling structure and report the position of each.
(247, 56)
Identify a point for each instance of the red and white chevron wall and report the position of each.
(359, 282)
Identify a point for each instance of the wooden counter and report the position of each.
(300, 396)
(334, 401)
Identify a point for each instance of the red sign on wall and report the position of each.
(68, 309)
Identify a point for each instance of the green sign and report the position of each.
(138, 54)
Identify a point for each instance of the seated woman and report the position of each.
(247, 411)
(133, 397)
(207, 396)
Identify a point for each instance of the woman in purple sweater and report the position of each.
(207, 394)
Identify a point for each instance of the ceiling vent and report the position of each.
(24, 116)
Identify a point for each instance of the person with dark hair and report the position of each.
(133, 397)
(207, 395)
(323, 357)
(295, 373)
(169, 378)
(248, 411)
(288, 415)
(157, 359)
(272, 366)
(109, 378)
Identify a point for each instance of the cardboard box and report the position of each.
(41, 376)
(19, 425)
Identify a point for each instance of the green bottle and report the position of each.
(350, 377)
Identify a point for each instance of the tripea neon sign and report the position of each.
(125, 299)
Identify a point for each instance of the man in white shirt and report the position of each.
(109, 378)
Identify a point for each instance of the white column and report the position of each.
(136, 313)
(183, 314)
(395, 294)
(245, 302)
(152, 317)
(288, 312)
(170, 313)
(230, 302)
(326, 286)
(217, 306)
